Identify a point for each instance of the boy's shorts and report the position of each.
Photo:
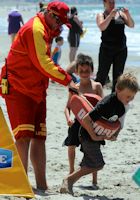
(93, 157)
(27, 117)
(73, 139)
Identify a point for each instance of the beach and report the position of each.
(122, 157)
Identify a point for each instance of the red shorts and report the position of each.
(27, 117)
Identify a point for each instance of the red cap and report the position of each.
(61, 10)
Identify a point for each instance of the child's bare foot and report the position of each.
(66, 187)
(95, 186)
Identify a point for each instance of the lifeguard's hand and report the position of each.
(73, 86)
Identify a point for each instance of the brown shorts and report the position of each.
(27, 117)
(93, 157)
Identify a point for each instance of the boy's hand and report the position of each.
(113, 138)
(70, 122)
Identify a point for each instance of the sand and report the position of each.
(121, 157)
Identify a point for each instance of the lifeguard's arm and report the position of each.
(39, 55)
(127, 18)
(102, 22)
(88, 124)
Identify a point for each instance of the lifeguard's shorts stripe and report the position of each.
(24, 127)
(27, 117)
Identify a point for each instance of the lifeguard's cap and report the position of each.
(61, 10)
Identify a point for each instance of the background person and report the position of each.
(74, 33)
(28, 69)
(56, 54)
(14, 23)
(113, 48)
(42, 6)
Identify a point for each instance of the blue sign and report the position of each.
(6, 158)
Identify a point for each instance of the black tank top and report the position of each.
(113, 35)
(75, 27)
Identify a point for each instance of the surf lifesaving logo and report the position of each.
(6, 158)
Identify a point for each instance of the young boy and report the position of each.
(56, 54)
(83, 68)
(112, 107)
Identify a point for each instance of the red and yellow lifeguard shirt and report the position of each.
(29, 65)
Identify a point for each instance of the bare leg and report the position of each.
(75, 176)
(38, 158)
(94, 178)
(72, 53)
(67, 186)
(13, 35)
(71, 156)
(22, 145)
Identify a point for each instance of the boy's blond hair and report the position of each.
(127, 80)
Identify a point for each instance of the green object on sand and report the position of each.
(136, 176)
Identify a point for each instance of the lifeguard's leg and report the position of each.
(38, 159)
(22, 145)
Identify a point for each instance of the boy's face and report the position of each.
(126, 95)
(84, 71)
(60, 43)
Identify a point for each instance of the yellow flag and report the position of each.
(13, 179)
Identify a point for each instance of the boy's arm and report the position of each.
(88, 124)
(121, 119)
(67, 111)
(114, 137)
(99, 89)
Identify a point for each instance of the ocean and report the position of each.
(87, 13)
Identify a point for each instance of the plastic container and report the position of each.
(136, 176)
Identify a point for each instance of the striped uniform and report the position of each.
(29, 69)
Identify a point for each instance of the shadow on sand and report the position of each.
(87, 197)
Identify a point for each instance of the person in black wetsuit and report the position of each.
(113, 48)
(74, 33)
